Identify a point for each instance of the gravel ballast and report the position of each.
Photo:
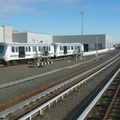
(13, 73)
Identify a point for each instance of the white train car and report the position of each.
(67, 49)
(19, 51)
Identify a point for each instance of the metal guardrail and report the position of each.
(48, 103)
(90, 106)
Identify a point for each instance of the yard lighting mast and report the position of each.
(97, 58)
(82, 12)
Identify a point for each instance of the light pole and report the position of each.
(97, 58)
(82, 12)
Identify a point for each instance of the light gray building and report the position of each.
(27, 37)
(90, 41)
(5, 34)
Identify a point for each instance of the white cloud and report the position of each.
(8, 7)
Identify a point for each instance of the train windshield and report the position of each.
(1, 49)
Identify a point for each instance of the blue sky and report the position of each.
(62, 17)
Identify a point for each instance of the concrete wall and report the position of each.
(7, 31)
(109, 41)
(20, 37)
(1, 35)
(103, 40)
(90, 40)
(38, 38)
(31, 38)
(5, 34)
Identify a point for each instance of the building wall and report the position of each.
(38, 38)
(109, 41)
(7, 32)
(20, 37)
(1, 35)
(31, 38)
(88, 40)
(93, 40)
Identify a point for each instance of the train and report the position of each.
(27, 51)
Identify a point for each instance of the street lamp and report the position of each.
(82, 12)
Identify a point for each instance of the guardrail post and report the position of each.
(62, 97)
(56, 101)
(41, 112)
(30, 118)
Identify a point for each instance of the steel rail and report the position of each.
(90, 106)
(4, 112)
(38, 76)
(56, 83)
(111, 104)
(24, 103)
(48, 103)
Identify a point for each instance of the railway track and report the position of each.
(74, 82)
(106, 104)
(9, 84)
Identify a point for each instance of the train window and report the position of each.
(61, 47)
(45, 48)
(26, 49)
(39, 48)
(68, 47)
(13, 49)
(29, 49)
(1, 49)
(34, 49)
(49, 48)
(16, 49)
(42, 48)
(71, 47)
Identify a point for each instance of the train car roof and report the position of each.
(67, 43)
(25, 44)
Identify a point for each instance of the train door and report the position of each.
(65, 49)
(21, 52)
